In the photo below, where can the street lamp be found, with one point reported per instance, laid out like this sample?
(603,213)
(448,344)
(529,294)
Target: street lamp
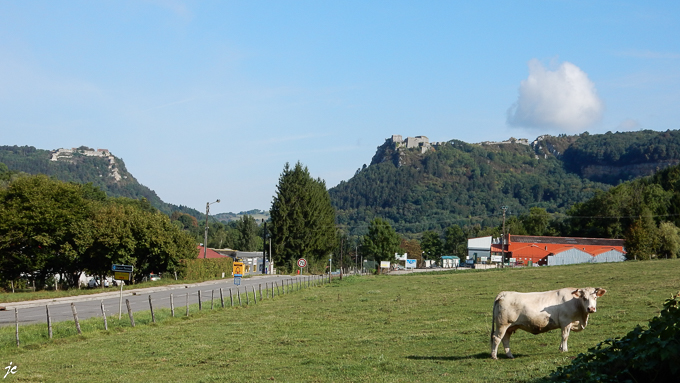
(205,243)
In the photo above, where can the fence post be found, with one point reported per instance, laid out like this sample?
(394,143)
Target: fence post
(106,322)
(221,298)
(200,304)
(187,304)
(75,317)
(247,296)
(132,319)
(255,295)
(260,292)
(212,298)
(153,316)
(172,305)
(49,321)
(231,298)
(16,320)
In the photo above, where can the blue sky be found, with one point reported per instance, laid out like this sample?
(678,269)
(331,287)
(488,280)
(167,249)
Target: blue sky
(209,99)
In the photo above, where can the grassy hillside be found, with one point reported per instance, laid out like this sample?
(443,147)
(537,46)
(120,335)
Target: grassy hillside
(429,327)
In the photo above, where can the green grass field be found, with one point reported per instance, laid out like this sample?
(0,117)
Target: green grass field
(426,327)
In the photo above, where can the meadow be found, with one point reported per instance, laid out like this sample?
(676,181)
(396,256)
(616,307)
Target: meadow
(427,327)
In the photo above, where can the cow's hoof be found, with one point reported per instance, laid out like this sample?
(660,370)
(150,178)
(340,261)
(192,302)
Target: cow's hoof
(510,356)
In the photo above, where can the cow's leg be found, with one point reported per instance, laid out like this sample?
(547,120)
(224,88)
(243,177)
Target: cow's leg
(506,341)
(565,337)
(496,338)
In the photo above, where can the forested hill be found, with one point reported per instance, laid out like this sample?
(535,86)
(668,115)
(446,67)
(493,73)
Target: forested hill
(84,165)
(454,182)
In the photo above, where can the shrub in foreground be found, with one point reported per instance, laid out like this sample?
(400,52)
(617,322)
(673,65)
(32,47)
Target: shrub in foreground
(651,355)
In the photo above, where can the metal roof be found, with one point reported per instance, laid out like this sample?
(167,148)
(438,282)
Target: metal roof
(566,240)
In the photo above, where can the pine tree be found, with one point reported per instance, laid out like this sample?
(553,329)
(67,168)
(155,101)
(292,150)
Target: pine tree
(303,220)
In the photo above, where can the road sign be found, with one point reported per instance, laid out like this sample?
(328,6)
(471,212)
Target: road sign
(237,281)
(122,276)
(238,269)
(302,262)
(123,268)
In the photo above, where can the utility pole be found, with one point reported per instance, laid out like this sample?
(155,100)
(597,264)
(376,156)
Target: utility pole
(264,246)
(503,240)
(205,243)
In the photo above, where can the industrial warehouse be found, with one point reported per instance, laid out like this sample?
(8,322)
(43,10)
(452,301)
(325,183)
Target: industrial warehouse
(526,250)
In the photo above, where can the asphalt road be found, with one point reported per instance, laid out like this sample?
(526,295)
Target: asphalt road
(88,306)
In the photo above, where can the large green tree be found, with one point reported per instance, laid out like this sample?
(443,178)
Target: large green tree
(432,245)
(381,242)
(302,218)
(39,221)
(455,241)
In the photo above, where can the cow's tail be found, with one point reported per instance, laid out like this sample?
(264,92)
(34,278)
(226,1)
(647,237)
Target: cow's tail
(493,320)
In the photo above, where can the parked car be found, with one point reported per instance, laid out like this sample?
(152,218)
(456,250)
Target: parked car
(154,277)
(96,282)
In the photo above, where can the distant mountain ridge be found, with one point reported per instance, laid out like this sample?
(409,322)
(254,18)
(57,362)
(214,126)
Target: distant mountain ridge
(420,186)
(83,165)
(257,214)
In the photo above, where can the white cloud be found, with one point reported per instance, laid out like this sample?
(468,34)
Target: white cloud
(563,99)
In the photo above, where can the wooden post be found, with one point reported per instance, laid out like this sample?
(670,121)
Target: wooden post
(255,294)
(247,296)
(172,305)
(238,292)
(231,298)
(16,320)
(221,297)
(153,315)
(75,317)
(277,288)
(272,290)
(187,304)
(200,304)
(49,321)
(212,299)
(106,322)
(132,319)
(260,292)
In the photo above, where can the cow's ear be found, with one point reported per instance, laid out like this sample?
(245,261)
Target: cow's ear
(577,293)
(600,292)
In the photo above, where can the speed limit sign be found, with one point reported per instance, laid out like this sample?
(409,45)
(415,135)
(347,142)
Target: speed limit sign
(302,262)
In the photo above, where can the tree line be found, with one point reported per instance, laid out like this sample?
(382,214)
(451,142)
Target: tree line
(50,228)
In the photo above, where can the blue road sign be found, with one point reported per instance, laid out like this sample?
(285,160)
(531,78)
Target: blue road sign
(237,281)
(122,268)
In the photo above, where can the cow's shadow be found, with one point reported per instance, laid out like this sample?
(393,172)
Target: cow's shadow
(481,355)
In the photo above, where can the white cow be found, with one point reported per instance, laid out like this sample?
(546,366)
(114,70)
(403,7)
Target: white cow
(540,312)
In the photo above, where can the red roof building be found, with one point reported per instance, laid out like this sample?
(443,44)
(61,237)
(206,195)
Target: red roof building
(526,249)
(210,254)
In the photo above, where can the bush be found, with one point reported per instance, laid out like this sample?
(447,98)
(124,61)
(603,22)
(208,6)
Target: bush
(204,269)
(651,355)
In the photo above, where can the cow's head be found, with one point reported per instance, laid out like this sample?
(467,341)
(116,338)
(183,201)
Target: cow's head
(588,297)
